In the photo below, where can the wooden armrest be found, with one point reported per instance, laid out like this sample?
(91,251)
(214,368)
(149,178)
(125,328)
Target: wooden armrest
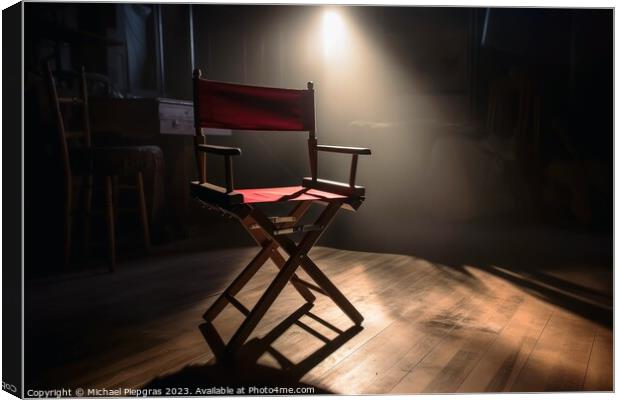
(343,149)
(355,153)
(221,150)
(227,152)
(334,187)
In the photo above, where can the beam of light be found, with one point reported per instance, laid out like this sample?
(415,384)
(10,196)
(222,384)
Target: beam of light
(333,33)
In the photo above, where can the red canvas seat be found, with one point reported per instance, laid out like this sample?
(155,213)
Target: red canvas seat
(243,107)
(281,194)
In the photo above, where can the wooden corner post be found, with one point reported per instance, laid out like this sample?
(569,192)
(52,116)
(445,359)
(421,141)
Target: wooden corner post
(312,142)
(201,158)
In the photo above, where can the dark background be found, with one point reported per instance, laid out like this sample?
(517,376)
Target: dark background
(12,287)
(412,83)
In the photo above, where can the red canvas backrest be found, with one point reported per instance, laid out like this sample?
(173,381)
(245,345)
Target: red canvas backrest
(234,106)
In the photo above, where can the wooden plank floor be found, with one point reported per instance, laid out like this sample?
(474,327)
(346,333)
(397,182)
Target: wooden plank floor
(428,328)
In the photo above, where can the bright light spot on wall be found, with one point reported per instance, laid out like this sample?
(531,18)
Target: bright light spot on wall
(333,33)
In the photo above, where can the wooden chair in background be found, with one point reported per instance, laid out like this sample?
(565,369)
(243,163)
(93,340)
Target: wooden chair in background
(251,108)
(83,162)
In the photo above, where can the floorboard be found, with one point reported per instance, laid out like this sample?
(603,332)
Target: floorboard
(428,328)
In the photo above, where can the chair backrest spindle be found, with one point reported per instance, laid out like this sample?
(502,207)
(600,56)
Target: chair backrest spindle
(64,135)
(312,139)
(201,158)
(85,115)
(62,140)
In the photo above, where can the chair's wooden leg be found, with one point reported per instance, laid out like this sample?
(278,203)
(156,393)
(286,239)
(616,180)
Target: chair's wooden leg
(261,238)
(299,210)
(88,202)
(263,304)
(315,273)
(332,291)
(68,220)
(278,260)
(269,250)
(239,282)
(144,219)
(109,203)
(324,283)
(285,274)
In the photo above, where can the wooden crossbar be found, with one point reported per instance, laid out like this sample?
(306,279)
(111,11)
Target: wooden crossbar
(296,229)
(281,220)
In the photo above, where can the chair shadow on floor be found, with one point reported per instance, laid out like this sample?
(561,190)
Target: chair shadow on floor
(244,371)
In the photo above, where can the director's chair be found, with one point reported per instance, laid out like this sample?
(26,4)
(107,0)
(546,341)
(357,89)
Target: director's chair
(241,107)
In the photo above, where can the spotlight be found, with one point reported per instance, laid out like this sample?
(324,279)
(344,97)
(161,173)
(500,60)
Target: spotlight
(333,33)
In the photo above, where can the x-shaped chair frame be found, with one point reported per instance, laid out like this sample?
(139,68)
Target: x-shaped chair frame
(271,234)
